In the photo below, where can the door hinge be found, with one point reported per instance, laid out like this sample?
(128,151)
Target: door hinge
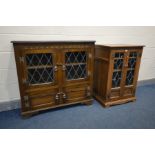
(26,101)
(25,81)
(21,59)
(26,98)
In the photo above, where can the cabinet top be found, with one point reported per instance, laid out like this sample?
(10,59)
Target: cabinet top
(119,45)
(62,41)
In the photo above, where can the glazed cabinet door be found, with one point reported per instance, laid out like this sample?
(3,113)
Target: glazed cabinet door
(124,73)
(39,78)
(76,65)
(132,63)
(117,74)
(76,82)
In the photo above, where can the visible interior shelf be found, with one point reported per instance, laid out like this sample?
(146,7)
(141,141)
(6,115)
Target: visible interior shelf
(41,66)
(115,58)
(116,88)
(131,68)
(82,63)
(117,70)
(133,57)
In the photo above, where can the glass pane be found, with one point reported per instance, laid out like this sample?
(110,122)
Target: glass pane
(75,57)
(119,55)
(40,75)
(75,71)
(76,66)
(129,77)
(131,65)
(133,54)
(39,59)
(39,68)
(116,79)
(118,63)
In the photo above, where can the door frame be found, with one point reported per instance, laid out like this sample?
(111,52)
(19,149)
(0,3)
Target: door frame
(25,73)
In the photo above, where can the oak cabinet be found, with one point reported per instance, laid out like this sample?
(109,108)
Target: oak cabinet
(116,73)
(54,74)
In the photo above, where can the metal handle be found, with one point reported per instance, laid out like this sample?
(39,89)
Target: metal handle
(64,96)
(63,67)
(125,64)
(57,96)
(88,91)
(55,68)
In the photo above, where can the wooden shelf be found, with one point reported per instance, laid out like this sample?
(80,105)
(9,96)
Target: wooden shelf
(39,67)
(82,63)
(117,70)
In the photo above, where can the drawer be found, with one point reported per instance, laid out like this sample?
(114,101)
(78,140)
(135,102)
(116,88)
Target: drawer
(128,91)
(40,99)
(76,93)
(115,93)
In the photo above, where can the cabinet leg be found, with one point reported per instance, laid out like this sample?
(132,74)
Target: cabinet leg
(133,101)
(88,103)
(25,116)
(107,106)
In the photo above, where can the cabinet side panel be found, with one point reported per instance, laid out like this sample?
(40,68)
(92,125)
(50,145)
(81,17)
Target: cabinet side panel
(101,72)
(18,54)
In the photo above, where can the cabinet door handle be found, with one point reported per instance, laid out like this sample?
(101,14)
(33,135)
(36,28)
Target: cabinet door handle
(64,96)
(125,64)
(63,67)
(55,68)
(57,96)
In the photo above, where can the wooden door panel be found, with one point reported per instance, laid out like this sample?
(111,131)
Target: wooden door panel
(115,94)
(44,98)
(77,92)
(128,91)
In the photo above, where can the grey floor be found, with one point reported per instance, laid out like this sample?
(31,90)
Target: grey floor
(136,115)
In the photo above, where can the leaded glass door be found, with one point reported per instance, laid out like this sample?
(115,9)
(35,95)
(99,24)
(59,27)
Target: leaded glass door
(118,60)
(125,65)
(130,71)
(76,65)
(40,68)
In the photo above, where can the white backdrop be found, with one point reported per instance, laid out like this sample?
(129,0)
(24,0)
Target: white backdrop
(102,35)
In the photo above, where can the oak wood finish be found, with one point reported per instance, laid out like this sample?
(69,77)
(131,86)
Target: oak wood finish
(106,56)
(57,92)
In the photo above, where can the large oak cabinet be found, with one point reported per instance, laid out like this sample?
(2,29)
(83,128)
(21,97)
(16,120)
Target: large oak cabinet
(116,73)
(54,74)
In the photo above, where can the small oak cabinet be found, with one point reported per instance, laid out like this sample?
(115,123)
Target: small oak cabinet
(116,73)
(54,74)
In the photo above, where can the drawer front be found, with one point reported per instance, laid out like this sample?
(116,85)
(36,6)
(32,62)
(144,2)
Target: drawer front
(40,99)
(115,94)
(128,91)
(77,93)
